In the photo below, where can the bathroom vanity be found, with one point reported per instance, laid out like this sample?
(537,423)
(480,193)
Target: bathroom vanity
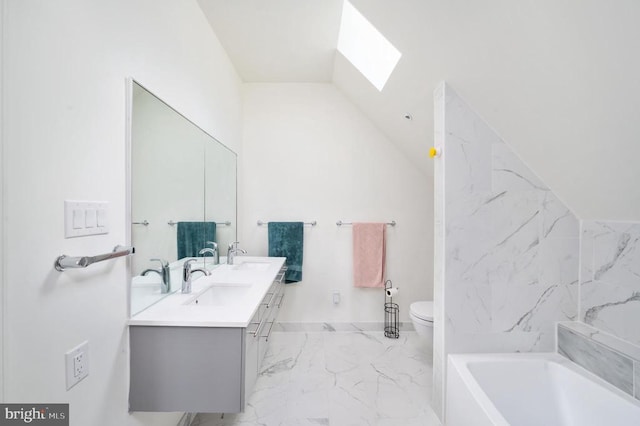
(201,352)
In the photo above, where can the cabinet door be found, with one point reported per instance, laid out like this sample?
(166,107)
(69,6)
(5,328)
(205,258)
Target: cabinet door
(251,365)
(189,369)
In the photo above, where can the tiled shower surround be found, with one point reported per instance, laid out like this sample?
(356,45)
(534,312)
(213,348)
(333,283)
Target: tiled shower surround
(610,278)
(606,341)
(510,246)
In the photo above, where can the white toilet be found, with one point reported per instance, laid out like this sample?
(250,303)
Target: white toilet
(421,314)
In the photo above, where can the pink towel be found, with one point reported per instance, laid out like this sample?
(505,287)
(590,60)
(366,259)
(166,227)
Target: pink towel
(368,254)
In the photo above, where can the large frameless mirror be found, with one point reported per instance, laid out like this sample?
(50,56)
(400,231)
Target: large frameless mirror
(182,197)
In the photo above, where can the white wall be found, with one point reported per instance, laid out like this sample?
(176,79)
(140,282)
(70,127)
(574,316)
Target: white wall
(2,241)
(309,154)
(555,77)
(66,65)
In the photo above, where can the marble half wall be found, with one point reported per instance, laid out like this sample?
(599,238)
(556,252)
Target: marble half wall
(510,246)
(610,278)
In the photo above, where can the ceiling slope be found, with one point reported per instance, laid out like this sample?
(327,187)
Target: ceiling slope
(277,40)
(556,79)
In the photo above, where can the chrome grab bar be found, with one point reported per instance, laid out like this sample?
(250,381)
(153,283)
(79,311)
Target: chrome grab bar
(63,262)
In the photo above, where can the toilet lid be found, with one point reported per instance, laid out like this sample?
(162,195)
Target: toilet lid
(422,310)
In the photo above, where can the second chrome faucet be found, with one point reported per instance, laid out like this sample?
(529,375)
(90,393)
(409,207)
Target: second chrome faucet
(233,251)
(213,251)
(187,272)
(164,274)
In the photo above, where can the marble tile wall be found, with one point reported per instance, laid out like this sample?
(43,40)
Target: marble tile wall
(510,246)
(610,277)
(614,360)
(606,341)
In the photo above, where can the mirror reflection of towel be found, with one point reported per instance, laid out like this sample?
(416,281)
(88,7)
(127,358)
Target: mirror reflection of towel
(286,240)
(193,236)
(368,254)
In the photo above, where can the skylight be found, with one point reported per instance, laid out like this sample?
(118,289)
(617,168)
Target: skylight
(365,47)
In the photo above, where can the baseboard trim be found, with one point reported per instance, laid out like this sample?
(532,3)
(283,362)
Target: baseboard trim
(336,326)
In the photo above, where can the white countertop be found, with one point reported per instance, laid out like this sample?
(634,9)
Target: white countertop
(176,310)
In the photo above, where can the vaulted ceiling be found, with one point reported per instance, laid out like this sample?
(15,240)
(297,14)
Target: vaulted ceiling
(295,41)
(556,79)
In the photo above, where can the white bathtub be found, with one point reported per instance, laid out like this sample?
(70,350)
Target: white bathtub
(532,390)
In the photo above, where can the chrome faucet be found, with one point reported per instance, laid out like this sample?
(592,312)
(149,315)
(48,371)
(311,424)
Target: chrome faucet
(186,275)
(164,273)
(213,251)
(233,250)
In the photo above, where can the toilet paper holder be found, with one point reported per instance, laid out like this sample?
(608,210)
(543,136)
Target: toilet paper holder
(391,311)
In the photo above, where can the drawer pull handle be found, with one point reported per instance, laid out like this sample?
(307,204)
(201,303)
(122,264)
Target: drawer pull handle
(275,293)
(269,332)
(260,326)
(253,323)
(280,302)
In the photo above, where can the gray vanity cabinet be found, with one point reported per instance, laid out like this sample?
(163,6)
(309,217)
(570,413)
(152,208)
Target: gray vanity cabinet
(200,369)
(190,369)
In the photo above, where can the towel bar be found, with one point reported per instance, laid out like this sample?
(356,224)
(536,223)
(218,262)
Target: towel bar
(227,223)
(63,262)
(314,223)
(340,223)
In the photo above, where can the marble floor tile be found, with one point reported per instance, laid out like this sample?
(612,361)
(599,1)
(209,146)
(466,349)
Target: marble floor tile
(336,378)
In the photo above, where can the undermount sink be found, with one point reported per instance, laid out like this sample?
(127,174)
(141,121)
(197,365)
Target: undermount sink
(220,295)
(252,266)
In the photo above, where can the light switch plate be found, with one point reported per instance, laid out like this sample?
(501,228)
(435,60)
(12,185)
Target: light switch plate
(102,218)
(82,218)
(90,218)
(78,218)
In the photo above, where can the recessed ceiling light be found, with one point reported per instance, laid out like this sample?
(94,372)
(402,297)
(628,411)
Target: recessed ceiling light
(365,47)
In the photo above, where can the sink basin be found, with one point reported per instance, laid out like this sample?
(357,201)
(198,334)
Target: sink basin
(252,266)
(221,295)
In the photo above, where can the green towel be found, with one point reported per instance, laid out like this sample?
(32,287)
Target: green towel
(286,240)
(193,236)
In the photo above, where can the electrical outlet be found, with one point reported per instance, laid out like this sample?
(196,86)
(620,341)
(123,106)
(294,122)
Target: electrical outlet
(77,364)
